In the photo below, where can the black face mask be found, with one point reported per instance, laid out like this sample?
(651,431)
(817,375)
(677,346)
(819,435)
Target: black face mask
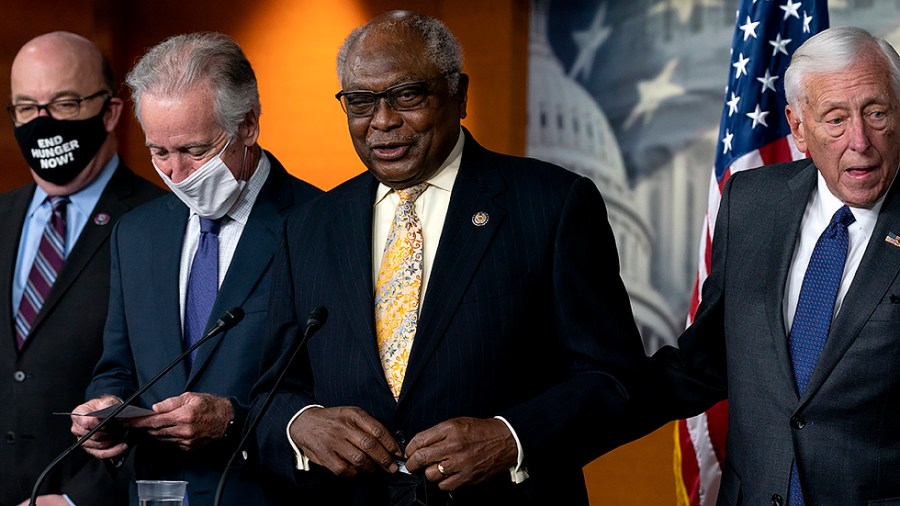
(58,150)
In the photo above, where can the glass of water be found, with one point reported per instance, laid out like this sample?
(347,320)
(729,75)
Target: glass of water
(161,492)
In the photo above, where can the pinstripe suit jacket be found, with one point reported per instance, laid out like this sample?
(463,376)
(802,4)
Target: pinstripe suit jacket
(525,317)
(844,431)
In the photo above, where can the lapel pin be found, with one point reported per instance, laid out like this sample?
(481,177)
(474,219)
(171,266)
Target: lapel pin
(892,239)
(101,219)
(481,218)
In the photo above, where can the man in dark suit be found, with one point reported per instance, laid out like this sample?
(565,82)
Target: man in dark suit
(799,318)
(509,378)
(62,99)
(181,261)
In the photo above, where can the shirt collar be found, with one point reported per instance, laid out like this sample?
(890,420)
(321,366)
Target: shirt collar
(84,199)
(445,176)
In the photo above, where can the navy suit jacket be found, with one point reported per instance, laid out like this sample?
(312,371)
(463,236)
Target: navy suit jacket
(51,372)
(524,317)
(844,431)
(143,331)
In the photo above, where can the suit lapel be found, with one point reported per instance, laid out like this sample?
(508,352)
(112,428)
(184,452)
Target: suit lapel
(877,270)
(353,238)
(162,277)
(251,257)
(89,244)
(459,252)
(11,219)
(788,216)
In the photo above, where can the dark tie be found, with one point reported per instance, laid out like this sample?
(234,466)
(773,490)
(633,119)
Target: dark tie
(815,307)
(203,284)
(48,261)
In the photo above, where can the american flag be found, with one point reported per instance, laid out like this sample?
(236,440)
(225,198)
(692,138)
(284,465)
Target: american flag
(753,132)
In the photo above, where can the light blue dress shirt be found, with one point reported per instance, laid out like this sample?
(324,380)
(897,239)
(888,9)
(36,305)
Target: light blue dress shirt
(78,212)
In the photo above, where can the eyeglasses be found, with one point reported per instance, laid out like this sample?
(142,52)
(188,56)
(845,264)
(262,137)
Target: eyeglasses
(62,108)
(401,97)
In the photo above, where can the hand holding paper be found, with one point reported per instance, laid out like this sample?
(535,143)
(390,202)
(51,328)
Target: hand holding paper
(106,443)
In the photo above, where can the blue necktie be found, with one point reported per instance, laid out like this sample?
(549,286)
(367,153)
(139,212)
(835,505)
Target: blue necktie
(203,284)
(815,307)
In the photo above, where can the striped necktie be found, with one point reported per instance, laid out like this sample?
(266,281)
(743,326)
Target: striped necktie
(398,288)
(48,262)
(815,307)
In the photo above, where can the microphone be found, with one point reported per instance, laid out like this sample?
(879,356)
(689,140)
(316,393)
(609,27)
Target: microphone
(315,321)
(225,322)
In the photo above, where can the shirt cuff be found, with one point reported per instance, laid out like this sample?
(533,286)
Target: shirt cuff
(519,473)
(302,461)
(68,500)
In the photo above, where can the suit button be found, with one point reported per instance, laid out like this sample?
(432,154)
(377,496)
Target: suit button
(19,376)
(400,438)
(798,422)
(776,500)
(10,437)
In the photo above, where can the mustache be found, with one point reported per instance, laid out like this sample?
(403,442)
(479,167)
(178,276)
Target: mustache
(390,140)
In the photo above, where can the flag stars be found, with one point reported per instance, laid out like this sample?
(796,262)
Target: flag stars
(740,66)
(768,82)
(759,117)
(790,9)
(779,44)
(726,142)
(807,19)
(733,104)
(749,28)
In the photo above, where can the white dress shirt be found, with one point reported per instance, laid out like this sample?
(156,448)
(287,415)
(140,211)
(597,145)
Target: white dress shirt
(819,211)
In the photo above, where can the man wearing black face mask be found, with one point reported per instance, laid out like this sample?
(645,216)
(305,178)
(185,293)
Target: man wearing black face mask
(54,279)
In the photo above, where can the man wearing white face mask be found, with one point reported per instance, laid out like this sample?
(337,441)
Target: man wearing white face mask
(179,262)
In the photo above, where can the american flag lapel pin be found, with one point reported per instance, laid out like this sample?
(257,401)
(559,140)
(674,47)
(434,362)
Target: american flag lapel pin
(892,239)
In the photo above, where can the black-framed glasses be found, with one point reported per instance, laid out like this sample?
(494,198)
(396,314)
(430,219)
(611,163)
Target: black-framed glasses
(400,97)
(61,108)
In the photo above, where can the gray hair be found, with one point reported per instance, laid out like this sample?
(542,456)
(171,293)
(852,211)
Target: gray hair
(831,51)
(441,46)
(181,62)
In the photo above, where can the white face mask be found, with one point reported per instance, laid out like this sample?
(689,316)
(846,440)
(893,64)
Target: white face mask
(211,190)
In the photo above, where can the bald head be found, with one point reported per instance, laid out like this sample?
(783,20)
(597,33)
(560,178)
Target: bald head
(59,57)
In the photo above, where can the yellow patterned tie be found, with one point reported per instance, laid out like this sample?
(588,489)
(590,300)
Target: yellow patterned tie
(398,288)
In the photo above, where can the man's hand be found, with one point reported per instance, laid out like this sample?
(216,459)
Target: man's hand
(47,500)
(345,440)
(108,442)
(191,420)
(468,450)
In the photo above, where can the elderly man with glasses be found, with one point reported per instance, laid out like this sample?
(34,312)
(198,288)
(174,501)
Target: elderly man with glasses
(55,255)
(481,344)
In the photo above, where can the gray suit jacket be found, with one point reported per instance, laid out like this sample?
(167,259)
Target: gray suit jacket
(844,432)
